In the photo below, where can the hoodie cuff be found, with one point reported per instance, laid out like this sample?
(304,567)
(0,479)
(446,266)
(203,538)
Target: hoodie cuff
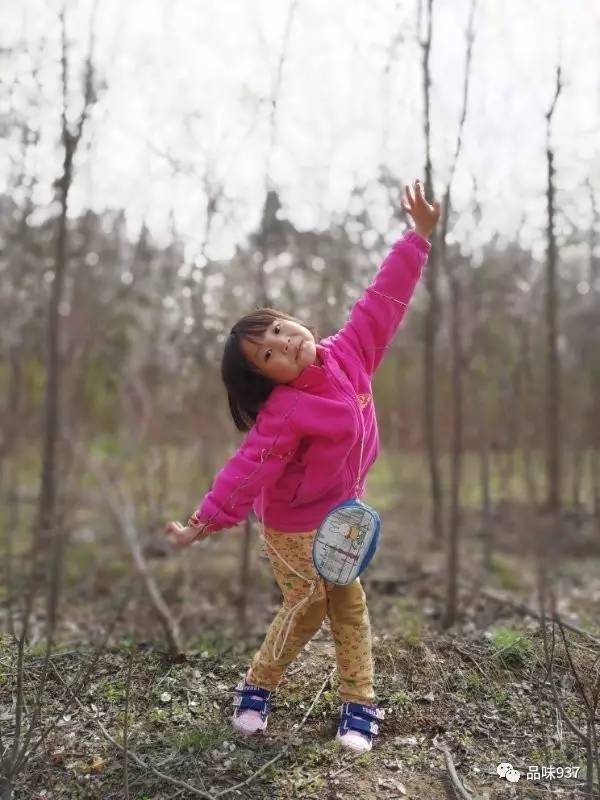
(195,522)
(420,242)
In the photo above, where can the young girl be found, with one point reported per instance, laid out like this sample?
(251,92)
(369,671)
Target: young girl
(312,436)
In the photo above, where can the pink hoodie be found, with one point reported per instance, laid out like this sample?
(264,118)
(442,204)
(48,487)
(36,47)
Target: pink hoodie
(304,448)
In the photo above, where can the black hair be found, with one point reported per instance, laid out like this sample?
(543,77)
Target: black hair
(247,388)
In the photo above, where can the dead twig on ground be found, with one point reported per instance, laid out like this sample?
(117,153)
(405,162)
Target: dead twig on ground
(287,746)
(471,658)
(525,609)
(462,792)
(133,757)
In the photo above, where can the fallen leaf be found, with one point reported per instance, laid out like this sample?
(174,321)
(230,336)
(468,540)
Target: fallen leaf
(97,763)
(429,697)
(392,764)
(408,740)
(388,783)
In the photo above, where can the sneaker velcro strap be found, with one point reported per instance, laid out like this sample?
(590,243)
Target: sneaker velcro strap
(365,711)
(250,703)
(357,717)
(358,724)
(248,690)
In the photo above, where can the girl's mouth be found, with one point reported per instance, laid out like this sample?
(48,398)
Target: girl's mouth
(301,345)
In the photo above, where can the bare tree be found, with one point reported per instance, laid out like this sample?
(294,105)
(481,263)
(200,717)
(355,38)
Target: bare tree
(527,388)
(432,317)
(270,206)
(52,423)
(593,361)
(267,223)
(589,695)
(47,543)
(553,430)
(456,337)
(22,260)
(245,574)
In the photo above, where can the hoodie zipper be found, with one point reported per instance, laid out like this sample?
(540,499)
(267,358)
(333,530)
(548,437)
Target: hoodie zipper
(356,480)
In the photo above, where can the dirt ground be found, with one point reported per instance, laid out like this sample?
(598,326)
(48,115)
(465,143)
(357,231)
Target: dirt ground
(487,702)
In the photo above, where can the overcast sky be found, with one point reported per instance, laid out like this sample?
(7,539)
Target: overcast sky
(192,79)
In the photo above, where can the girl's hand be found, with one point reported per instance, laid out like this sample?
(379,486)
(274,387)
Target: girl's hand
(183,535)
(424,215)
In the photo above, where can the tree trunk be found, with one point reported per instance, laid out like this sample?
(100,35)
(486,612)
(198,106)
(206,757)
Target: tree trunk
(52,421)
(486,502)
(11,487)
(6,790)
(456,348)
(553,430)
(505,470)
(595,482)
(245,564)
(576,478)
(12,524)
(432,313)
(457,445)
(527,437)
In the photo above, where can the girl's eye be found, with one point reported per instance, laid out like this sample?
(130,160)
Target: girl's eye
(276,329)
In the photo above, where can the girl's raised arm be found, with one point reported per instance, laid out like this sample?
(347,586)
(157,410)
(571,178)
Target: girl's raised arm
(375,317)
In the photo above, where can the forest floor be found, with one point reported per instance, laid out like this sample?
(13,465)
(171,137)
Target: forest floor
(480,687)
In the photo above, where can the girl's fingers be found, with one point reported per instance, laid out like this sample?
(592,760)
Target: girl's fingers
(420,196)
(179,540)
(173,527)
(405,206)
(409,198)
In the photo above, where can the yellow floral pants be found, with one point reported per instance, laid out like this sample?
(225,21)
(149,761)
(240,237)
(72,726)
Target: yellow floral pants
(305,604)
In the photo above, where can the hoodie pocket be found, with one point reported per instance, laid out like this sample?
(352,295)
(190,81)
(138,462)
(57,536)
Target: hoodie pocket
(286,488)
(313,488)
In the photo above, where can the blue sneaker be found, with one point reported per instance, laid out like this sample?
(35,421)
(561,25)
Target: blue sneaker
(251,708)
(358,726)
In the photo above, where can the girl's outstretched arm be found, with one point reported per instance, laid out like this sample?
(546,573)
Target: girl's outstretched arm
(259,462)
(375,317)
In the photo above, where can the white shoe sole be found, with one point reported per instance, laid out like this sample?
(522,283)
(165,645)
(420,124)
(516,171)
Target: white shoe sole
(345,743)
(236,724)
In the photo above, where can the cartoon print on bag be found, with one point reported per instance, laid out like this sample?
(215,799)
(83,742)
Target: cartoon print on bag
(356,535)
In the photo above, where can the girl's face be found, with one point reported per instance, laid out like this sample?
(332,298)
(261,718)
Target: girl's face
(285,350)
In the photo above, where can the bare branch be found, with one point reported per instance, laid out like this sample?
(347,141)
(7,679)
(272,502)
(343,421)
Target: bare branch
(122,510)
(276,87)
(183,784)
(557,90)
(456,782)
(470,38)
(549,656)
